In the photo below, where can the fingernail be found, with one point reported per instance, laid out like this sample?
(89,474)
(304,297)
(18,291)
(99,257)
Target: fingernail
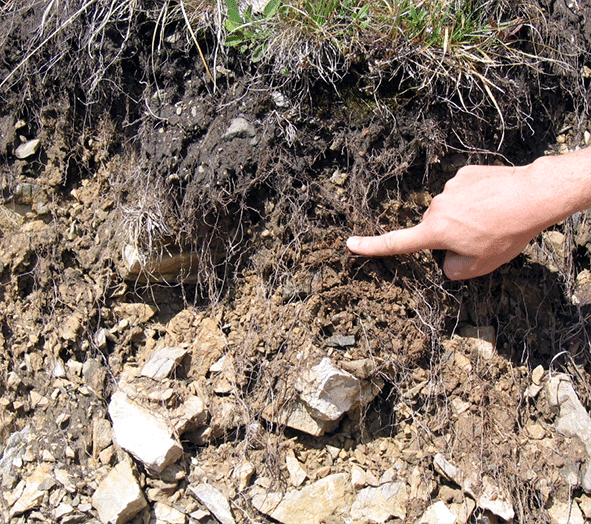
(353,242)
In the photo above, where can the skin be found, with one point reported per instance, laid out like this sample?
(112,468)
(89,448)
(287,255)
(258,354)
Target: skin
(486,215)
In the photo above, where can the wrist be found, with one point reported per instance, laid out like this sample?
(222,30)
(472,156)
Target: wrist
(562,184)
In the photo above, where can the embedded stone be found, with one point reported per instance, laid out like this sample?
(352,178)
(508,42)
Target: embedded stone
(162,363)
(119,498)
(27,149)
(147,437)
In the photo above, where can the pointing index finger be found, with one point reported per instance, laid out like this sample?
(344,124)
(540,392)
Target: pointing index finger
(392,243)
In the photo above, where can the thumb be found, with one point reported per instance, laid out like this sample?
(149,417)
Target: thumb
(392,243)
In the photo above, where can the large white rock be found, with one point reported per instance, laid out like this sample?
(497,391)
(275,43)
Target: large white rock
(119,498)
(381,503)
(311,505)
(147,437)
(329,392)
(572,420)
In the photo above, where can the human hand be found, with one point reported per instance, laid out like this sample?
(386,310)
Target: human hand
(485,216)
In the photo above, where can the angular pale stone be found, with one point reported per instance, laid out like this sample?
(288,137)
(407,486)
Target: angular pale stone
(62,510)
(162,362)
(133,310)
(381,503)
(301,419)
(166,514)
(486,493)
(438,513)
(419,486)
(481,339)
(535,431)
(537,375)
(311,505)
(243,473)
(215,502)
(29,148)
(463,511)
(459,406)
(224,379)
(584,502)
(147,437)
(463,362)
(101,436)
(297,474)
(119,498)
(358,477)
(240,128)
(190,415)
(330,392)
(565,513)
(572,420)
(33,492)
(447,469)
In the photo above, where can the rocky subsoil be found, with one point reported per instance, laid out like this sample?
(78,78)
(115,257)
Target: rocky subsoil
(185,338)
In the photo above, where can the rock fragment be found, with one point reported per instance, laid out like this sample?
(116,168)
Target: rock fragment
(34,489)
(101,435)
(381,503)
(340,341)
(190,415)
(243,474)
(326,393)
(330,392)
(582,290)
(214,501)
(358,477)
(301,419)
(584,502)
(438,513)
(313,504)
(146,436)
(27,149)
(537,375)
(565,513)
(297,474)
(279,99)
(481,339)
(572,420)
(166,514)
(463,510)
(161,363)
(119,498)
(487,494)
(240,128)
